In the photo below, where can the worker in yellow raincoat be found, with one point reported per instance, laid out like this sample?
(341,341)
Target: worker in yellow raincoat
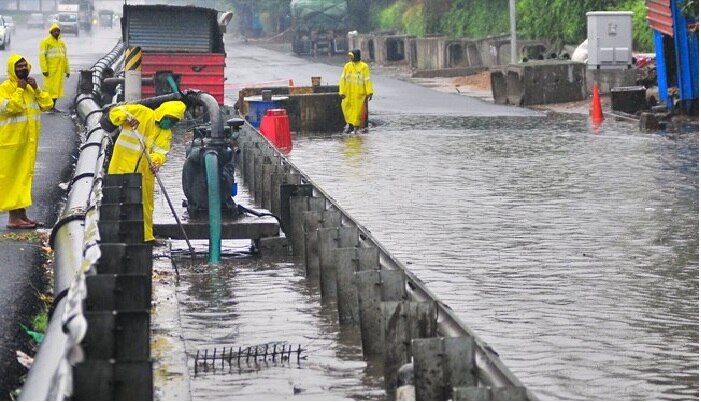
(53,60)
(139,122)
(21,103)
(355,89)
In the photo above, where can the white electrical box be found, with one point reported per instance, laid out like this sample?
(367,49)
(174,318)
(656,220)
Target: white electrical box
(610,39)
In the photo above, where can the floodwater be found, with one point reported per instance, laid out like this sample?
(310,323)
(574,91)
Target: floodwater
(572,251)
(246,302)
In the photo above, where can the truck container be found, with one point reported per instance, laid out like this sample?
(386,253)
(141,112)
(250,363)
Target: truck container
(319,26)
(184,40)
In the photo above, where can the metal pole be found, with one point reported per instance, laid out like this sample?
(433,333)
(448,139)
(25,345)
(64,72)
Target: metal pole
(163,189)
(512,12)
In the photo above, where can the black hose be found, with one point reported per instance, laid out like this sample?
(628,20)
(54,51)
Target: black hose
(245,210)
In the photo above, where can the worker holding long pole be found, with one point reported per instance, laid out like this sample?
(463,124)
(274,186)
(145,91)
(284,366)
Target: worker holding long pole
(142,147)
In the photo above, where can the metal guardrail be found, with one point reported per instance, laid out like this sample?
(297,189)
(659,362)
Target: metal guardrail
(491,370)
(74,239)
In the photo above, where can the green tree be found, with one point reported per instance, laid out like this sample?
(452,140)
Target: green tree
(476,18)
(359,15)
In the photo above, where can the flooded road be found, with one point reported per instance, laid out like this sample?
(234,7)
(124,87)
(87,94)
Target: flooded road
(573,253)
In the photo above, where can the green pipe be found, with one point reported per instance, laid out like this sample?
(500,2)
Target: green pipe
(210,163)
(173,84)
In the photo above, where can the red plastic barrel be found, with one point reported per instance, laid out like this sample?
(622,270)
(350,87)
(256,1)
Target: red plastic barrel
(275,126)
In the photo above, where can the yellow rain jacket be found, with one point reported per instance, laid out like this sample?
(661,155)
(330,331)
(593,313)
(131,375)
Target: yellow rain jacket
(53,59)
(20,124)
(356,86)
(127,155)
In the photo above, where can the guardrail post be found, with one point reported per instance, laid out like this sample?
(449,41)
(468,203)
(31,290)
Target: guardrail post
(250,151)
(117,363)
(440,364)
(314,220)
(277,181)
(403,321)
(373,288)
(287,191)
(348,261)
(330,239)
(298,206)
(268,171)
(258,164)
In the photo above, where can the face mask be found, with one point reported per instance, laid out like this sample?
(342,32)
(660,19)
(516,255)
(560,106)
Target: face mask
(166,123)
(22,74)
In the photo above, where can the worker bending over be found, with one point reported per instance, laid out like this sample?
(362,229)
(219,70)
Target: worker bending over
(141,124)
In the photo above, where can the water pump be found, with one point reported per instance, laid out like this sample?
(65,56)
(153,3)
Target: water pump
(195,180)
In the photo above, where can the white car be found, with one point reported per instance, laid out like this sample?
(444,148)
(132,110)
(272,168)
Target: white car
(5,34)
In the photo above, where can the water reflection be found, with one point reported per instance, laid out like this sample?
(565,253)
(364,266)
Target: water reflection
(252,301)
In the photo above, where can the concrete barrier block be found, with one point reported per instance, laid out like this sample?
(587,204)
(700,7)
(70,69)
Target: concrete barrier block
(628,99)
(544,82)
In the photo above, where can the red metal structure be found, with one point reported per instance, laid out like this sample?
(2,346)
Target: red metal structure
(184,40)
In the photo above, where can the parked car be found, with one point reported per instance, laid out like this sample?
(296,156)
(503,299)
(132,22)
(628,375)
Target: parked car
(5,35)
(68,22)
(10,23)
(35,20)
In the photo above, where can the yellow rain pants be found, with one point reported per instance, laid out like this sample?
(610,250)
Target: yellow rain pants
(53,59)
(127,155)
(20,125)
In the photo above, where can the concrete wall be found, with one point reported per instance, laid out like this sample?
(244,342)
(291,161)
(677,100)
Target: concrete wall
(607,79)
(364,42)
(539,82)
(393,50)
(441,52)
(429,53)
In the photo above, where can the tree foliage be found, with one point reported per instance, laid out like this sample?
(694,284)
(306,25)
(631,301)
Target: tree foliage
(561,21)
(476,18)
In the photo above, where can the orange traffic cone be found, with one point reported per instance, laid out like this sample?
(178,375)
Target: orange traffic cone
(597,116)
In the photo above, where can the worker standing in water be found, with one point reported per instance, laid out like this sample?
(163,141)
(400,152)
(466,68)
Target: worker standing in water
(152,127)
(355,89)
(53,60)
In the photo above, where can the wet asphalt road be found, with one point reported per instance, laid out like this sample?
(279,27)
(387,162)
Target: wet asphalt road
(20,262)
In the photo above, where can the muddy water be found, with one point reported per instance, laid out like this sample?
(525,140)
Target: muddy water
(573,252)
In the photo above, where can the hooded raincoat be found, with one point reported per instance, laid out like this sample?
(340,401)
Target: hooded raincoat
(20,124)
(354,88)
(53,59)
(127,155)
